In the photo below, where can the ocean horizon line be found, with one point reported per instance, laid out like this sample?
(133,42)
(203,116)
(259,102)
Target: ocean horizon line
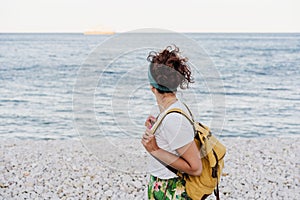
(183,32)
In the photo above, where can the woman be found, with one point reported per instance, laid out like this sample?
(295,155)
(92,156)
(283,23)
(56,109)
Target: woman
(173,143)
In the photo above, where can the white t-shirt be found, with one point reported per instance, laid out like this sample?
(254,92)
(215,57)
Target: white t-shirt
(174,132)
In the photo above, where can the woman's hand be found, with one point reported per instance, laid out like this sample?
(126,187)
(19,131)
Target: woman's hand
(149,141)
(150,121)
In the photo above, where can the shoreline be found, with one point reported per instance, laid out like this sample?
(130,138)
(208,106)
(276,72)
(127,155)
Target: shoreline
(255,168)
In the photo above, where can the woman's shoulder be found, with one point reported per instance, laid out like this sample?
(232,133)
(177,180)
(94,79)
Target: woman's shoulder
(181,106)
(175,123)
(175,117)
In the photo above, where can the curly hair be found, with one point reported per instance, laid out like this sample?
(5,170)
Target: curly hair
(169,69)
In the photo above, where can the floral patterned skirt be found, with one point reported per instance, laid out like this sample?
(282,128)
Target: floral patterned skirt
(167,189)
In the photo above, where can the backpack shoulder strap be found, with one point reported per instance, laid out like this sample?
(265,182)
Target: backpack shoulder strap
(173,110)
(191,114)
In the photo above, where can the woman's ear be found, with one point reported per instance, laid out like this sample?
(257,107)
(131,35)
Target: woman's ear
(153,89)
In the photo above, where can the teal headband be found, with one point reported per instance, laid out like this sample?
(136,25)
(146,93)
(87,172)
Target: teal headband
(156,85)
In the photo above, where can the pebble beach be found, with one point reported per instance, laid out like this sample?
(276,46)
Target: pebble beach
(255,168)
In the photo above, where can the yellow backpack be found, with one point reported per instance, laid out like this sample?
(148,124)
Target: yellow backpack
(212,154)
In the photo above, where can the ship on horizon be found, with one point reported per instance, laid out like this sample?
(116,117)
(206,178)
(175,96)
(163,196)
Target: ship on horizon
(100,30)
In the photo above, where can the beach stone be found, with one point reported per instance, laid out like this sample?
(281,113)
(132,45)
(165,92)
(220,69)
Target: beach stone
(116,197)
(108,193)
(126,178)
(137,184)
(105,187)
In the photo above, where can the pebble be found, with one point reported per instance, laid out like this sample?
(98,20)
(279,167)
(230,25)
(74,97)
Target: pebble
(108,193)
(60,169)
(137,184)
(105,187)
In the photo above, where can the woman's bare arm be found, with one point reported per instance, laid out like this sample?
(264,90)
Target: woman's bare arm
(188,162)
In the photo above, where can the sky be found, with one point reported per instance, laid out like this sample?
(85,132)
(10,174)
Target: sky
(127,15)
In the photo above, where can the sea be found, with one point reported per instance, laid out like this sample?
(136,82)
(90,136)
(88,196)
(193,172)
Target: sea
(259,74)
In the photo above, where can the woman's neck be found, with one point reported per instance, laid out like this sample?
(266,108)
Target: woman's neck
(165,100)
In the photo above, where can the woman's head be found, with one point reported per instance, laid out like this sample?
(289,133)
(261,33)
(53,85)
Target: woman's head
(168,70)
